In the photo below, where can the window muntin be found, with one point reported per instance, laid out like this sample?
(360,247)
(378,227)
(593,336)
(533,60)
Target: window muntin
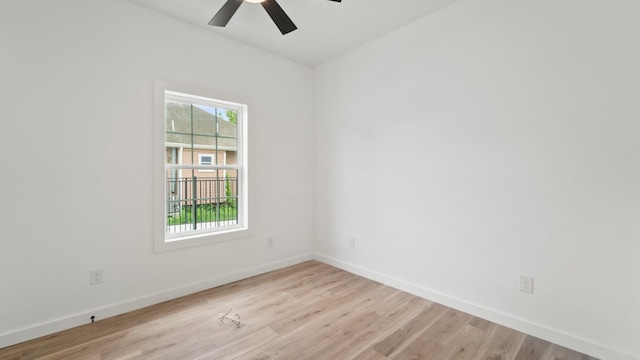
(205,185)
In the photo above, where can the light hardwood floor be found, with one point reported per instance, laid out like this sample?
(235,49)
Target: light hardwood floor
(307,311)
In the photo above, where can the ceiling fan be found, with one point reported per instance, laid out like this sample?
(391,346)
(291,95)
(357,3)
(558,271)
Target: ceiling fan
(283,22)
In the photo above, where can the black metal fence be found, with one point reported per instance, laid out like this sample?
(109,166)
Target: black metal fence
(201,203)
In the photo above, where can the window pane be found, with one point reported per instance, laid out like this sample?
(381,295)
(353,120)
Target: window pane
(231,187)
(204,120)
(178,120)
(227,137)
(178,131)
(231,158)
(200,202)
(204,144)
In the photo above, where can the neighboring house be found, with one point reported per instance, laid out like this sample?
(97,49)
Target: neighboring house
(197,137)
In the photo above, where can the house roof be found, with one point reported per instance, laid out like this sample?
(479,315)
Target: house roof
(179,119)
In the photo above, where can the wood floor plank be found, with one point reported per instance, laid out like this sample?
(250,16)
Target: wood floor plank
(307,311)
(447,326)
(557,352)
(466,344)
(438,339)
(480,323)
(320,334)
(241,346)
(502,344)
(411,329)
(311,311)
(370,354)
(532,349)
(395,311)
(418,350)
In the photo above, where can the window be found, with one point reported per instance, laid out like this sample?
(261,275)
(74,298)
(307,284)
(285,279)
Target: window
(201,161)
(205,159)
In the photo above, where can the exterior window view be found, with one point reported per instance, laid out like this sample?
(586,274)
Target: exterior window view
(202,167)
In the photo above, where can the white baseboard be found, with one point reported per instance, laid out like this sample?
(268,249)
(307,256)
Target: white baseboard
(558,337)
(68,322)
(571,341)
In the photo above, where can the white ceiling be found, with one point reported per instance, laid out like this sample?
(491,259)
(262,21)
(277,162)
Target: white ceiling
(325,28)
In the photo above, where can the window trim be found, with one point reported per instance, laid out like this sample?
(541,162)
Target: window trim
(196,96)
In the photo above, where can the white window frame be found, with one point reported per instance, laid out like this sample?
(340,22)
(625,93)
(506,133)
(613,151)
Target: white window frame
(162,241)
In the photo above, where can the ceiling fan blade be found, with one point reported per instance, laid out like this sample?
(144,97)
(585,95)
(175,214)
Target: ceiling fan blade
(222,17)
(283,22)
(336,0)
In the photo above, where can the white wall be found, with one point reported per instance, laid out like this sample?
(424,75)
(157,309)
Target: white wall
(76,95)
(492,139)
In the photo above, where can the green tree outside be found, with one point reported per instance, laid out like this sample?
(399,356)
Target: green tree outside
(232,116)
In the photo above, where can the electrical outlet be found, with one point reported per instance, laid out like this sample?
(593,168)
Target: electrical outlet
(95,277)
(352,243)
(526,284)
(270,242)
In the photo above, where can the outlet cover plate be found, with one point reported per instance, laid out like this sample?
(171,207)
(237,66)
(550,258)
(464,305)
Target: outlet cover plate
(95,277)
(526,284)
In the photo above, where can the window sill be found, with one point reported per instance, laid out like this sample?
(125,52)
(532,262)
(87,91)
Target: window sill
(163,244)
